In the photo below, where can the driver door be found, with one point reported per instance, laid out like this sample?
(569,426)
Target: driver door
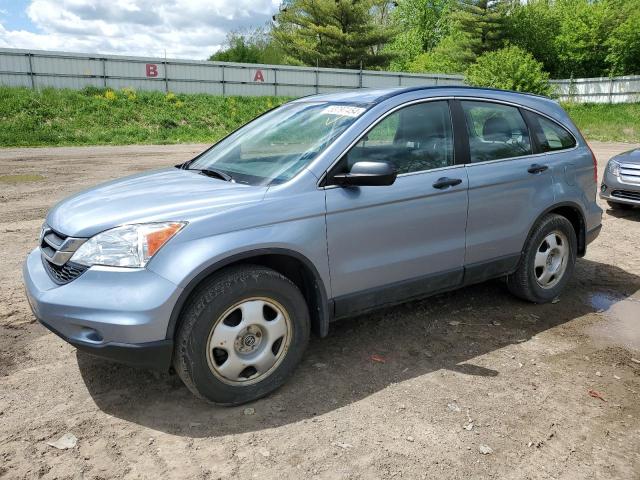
(390,243)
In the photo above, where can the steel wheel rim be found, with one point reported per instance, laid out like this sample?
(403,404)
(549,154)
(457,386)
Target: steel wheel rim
(551,259)
(249,341)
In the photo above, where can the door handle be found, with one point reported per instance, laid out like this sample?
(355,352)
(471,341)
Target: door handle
(536,168)
(446,182)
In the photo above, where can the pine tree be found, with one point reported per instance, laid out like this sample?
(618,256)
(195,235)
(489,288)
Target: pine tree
(481,25)
(334,33)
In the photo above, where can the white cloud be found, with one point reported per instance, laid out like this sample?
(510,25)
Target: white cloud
(185,28)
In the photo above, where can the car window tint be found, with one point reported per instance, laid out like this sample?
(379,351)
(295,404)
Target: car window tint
(495,131)
(412,139)
(552,136)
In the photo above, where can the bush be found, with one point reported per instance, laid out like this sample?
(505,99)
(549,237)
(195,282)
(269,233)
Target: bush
(446,57)
(509,68)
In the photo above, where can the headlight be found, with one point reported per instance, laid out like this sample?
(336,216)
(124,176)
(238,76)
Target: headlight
(126,246)
(614,168)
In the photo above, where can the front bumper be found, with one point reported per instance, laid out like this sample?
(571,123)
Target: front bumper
(615,189)
(118,314)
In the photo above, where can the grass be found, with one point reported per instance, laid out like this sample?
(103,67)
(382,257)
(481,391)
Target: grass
(106,117)
(619,122)
(24,178)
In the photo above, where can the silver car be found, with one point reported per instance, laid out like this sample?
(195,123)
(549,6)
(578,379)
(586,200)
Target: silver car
(621,181)
(328,206)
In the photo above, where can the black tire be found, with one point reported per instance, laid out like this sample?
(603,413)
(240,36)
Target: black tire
(209,303)
(523,283)
(619,206)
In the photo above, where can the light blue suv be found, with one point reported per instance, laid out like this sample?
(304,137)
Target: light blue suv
(325,207)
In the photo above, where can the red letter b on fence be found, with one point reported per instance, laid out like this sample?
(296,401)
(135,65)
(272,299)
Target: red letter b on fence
(152,70)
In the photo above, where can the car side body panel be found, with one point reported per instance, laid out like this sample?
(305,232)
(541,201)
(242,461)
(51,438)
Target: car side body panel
(504,201)
(423,235)
(295,222)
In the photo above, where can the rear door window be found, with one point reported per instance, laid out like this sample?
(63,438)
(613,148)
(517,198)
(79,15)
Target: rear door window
(549,134)
(496,131)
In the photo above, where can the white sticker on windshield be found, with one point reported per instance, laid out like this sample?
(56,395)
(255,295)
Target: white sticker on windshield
(343,110)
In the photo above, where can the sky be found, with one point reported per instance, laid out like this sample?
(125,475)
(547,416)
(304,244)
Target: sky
(191,29)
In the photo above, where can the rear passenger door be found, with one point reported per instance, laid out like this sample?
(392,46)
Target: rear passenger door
(509,186)
(572,170)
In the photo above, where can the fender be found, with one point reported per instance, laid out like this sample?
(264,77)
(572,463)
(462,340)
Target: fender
(578,222)
(324,310)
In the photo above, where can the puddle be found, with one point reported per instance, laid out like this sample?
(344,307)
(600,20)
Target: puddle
(621,320)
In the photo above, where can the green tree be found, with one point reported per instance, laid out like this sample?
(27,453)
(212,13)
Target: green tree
(334,33)
(533,26)
(509,68)
(623,43)
(255,46)
(238,49)
(480,24)
(420,26)
(581,41)
(449,56)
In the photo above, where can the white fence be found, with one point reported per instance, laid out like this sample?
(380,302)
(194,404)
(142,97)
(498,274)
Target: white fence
(41,69)
(599,90)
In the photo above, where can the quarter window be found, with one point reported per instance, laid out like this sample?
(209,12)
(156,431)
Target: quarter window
(415,138)
(495,131)
(549,134)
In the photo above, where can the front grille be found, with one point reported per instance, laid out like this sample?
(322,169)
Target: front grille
(57,249)
(64,274)
(626,194)
(630,172)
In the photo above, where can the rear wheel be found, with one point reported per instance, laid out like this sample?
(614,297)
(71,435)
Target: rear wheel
(547,262)
(619,206)
(242,335)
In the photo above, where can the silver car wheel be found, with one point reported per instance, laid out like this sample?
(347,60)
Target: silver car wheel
(551,259)
(248,341)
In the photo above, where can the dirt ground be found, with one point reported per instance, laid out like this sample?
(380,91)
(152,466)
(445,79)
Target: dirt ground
(463,371)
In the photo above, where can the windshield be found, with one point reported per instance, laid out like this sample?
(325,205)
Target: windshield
(276,146)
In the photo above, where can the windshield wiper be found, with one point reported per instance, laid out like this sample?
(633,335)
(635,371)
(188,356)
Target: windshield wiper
(215,173)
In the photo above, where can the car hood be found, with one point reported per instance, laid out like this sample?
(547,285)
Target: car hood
(632,156)
(165,195)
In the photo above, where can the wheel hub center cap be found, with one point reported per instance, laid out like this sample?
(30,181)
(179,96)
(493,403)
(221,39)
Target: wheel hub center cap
(249,339)
(550,260)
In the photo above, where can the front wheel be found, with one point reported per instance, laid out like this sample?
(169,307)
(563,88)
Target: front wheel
(547,262)
(242,334)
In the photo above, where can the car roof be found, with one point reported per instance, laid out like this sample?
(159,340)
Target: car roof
(372,96)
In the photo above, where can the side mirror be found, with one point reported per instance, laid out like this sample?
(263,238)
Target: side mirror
(365,174)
